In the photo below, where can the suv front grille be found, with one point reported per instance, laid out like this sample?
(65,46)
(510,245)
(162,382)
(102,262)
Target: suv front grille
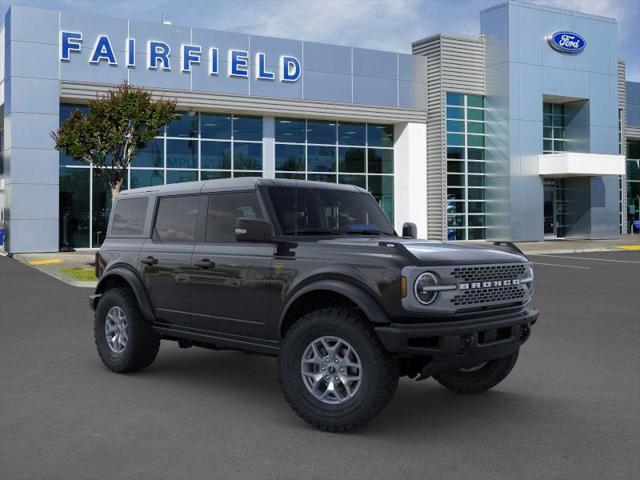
(511,293)
(482,273)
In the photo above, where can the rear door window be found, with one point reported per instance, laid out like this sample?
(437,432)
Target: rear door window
(176,219)
(129,216)
(224,210)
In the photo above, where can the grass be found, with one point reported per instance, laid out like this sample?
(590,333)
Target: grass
(81,274)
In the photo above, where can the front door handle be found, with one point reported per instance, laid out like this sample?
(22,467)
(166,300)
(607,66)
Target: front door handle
(205,264)
(149,261)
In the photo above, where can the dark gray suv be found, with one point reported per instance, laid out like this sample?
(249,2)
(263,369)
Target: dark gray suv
(314,274)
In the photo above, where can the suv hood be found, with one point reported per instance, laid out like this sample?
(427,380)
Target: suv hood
(430,252)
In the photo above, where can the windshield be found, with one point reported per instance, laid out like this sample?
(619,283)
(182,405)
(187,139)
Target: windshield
(324,211)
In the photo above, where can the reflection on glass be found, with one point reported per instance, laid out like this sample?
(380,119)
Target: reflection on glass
(292,176)
(321,178)
(321,159)
(380,161)
(74,207)
(179,176)
(357,180)
(247,156)
(351,133)
(290,157)
(215,155)
(320,131)
(351,159)
(182,154)
(215,126)
(205,175)
(146,178)
(184,124)
(101,207)
(379,135)
(381,187)
(290,130)
(151,155)
(247,127)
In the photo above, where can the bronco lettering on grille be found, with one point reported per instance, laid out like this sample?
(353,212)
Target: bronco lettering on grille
(494,283)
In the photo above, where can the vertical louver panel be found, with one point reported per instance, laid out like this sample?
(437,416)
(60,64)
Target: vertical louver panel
(454,64)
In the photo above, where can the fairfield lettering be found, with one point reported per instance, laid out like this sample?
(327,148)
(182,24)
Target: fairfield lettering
(159,56)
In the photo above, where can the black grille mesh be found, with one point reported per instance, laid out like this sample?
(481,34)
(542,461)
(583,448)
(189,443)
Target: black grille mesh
(511,293)
(484,273)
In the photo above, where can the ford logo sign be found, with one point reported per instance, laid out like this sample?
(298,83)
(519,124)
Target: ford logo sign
(567,42)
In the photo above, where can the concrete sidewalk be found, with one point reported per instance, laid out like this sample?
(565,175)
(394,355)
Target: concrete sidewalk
(626,242)
(58,264)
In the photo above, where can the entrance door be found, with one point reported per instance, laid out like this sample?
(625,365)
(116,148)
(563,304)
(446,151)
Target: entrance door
(555,208)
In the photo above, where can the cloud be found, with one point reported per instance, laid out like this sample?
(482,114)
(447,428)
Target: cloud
(378,24)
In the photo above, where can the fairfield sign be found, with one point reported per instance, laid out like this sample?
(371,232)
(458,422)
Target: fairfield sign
(159,56)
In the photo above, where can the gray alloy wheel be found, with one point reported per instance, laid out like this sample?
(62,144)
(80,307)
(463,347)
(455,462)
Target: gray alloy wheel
(115,329)
(331,370)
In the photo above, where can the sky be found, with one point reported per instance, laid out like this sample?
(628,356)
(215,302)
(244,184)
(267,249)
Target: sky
(378,24)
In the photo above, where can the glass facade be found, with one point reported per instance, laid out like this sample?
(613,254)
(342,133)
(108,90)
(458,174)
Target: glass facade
(194,146)
(633,182)
(466,173)
(345,152)
(205,146)
(552,128)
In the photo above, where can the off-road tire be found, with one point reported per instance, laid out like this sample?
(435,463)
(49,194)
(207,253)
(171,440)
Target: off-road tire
(481,380)
(142,344)
(380,374)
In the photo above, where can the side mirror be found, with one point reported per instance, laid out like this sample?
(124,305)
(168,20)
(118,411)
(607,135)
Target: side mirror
(409,230)
(253,230)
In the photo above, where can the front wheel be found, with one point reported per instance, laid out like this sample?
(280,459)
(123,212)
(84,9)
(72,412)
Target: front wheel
(478,378)
(333,370)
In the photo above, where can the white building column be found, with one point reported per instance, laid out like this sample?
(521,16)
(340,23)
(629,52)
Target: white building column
(268,147)
(410,179)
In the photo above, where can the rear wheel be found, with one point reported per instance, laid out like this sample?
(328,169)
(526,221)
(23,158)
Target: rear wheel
(125,341)
(478,378)
(333,370)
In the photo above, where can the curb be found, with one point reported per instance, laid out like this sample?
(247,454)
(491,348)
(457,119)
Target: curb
(57,276)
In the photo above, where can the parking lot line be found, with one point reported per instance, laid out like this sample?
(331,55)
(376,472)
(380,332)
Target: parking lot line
(47,261)
(628,247)
(590,258)
(560,265)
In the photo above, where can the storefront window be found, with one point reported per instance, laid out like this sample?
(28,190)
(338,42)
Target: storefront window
(193,146)
(74,207)
(552,128)
(466,179)
(633,183)
(350,153)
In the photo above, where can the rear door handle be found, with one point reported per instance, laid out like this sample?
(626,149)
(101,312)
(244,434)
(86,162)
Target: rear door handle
(149,261)
(205,264)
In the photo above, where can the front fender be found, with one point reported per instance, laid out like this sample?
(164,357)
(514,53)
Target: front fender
(133,280)
(364,300)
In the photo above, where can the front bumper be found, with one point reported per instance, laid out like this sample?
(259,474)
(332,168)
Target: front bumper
(459,344)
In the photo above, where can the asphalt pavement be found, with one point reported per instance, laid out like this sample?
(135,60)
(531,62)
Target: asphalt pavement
(569,410)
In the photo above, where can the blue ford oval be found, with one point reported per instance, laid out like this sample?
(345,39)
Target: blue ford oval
(567,42)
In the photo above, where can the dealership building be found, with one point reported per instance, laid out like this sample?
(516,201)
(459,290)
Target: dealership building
(527,132)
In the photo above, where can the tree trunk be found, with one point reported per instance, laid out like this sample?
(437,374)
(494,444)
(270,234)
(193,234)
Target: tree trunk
(115,189)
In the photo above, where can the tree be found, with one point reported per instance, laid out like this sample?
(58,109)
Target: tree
(117,126)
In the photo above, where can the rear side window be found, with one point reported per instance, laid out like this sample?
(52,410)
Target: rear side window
(129,215)
(176,219)
(224,210)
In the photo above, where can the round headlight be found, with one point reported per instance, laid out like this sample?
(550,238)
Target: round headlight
(424,288)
